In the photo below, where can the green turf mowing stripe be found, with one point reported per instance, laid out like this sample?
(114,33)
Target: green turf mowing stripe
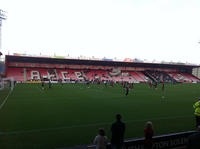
(89,125)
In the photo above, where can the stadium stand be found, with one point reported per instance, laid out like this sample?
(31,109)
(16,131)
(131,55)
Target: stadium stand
(34,74)
(145,78)
(183,77)
(190,77)
(159,76)
(16,73)
(96,74)
(138,76)
(35,69)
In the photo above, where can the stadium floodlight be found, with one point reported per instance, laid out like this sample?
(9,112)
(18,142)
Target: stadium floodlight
(2,17)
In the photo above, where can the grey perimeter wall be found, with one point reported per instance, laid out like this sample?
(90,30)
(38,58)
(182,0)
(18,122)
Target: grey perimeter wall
(196,72)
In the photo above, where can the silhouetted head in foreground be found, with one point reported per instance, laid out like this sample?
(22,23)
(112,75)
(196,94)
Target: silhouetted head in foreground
(149,125)
(101,132)
(118,117)
(198,128)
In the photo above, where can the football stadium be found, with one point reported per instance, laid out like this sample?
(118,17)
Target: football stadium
(56,103)
(90,74)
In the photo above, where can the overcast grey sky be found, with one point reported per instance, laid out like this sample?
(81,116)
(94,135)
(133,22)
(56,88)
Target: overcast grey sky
(146,29)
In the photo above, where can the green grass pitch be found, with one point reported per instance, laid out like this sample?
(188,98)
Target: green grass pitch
(71,114)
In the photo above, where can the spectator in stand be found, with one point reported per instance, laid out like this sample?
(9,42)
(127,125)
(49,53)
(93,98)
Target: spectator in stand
(194,140)
(118,131)
(148,134)
(101,140)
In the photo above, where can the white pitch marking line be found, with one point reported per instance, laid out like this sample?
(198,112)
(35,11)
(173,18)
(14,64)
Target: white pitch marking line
(3,103)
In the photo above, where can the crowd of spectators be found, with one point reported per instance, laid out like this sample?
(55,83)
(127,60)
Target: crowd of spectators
(118,131)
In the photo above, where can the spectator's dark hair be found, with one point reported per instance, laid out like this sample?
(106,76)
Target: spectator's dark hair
(198,128)
(118,117)
(102,132)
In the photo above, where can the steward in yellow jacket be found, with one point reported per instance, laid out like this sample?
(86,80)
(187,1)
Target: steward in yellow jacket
(196,106)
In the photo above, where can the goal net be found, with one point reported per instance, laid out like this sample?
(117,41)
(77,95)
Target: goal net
(6,83)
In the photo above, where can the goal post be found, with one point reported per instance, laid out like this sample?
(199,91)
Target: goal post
(6,83)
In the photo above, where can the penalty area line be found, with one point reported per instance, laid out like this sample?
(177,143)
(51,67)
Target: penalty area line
(4,102)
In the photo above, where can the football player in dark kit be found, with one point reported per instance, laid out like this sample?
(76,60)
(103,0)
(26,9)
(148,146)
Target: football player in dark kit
(112,83)
(87,83)
(150,84)
(127,90)
(155,84)
(132,85)
(98,82)
(43,84)
(106,83)
(60,82)
(124,84)
(163,87)
(50,84)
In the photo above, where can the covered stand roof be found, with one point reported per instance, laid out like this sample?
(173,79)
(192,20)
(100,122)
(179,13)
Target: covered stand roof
(26,59)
